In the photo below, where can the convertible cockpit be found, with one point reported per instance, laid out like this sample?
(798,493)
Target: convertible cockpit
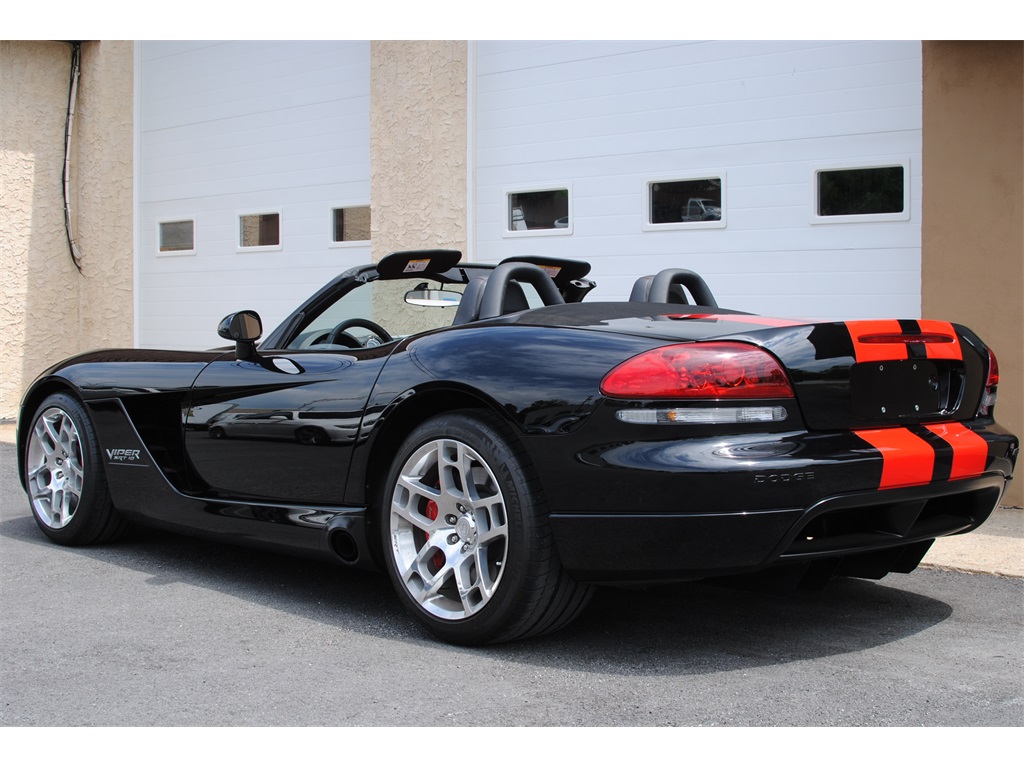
(411,292)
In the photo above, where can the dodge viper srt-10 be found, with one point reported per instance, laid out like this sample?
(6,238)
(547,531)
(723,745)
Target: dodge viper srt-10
(498,445)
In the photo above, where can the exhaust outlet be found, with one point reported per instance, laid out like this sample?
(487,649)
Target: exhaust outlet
(343,544)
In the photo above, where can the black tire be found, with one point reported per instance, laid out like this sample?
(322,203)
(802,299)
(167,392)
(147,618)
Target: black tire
(513,584)
(65,477)
(217,432)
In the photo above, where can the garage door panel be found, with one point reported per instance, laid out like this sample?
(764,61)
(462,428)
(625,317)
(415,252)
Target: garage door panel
(246,127)
(605,120)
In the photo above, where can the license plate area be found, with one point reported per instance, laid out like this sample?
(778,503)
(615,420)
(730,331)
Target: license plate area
(900,390)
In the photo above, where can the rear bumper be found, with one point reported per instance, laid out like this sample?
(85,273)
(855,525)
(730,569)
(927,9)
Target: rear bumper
(861,534)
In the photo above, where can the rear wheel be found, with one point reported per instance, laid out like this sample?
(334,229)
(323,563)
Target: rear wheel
(64,475)
(466,536)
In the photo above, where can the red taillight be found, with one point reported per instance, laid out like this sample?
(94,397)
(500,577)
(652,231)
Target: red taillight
(993,371)
(712,370)
(988,399)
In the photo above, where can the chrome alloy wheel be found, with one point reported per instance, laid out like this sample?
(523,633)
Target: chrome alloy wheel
(55,468)
(449,529)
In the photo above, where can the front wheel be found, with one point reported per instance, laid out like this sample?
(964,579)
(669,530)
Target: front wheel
(466,536)
(64,475)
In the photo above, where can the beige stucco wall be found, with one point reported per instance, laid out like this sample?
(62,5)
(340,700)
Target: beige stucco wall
(973,219)
(418,145)
(418,119)
(47,309)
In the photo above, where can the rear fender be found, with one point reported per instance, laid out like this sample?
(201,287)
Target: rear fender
(486,366)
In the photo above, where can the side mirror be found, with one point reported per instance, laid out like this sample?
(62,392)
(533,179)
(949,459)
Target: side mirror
(243,328)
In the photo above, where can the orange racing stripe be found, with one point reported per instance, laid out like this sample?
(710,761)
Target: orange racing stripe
(869,353)
(970,451)
(906,458)
(940,351)
(868,350)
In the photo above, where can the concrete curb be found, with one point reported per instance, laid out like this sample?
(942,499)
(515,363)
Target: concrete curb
(996,548)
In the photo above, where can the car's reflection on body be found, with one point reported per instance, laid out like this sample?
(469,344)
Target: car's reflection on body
(306,427)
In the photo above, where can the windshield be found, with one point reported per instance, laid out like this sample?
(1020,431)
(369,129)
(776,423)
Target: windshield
(382,303)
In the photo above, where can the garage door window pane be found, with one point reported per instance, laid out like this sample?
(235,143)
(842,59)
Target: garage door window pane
(260,229)
(546,209)
(177,236)
(351,224)
(861,191)
(692,200)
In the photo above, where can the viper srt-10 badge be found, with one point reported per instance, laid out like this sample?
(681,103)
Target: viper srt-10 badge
(123,455)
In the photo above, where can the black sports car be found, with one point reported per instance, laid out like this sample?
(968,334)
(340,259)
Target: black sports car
(498,445)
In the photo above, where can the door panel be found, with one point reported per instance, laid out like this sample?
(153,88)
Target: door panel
(281,428)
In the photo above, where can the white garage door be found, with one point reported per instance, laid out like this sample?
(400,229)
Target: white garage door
(620,153)
(253,180)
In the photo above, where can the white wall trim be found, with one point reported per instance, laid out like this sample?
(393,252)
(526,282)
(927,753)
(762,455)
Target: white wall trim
(136,186)
(471,207)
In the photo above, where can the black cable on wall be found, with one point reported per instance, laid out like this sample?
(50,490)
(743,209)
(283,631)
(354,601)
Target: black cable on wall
(76,57)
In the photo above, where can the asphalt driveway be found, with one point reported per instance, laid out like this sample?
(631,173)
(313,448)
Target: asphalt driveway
(165,630)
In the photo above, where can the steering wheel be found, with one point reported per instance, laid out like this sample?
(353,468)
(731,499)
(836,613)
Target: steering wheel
(338,335)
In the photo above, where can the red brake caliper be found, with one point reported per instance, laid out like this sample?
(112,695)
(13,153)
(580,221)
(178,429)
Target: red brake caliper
(431,512)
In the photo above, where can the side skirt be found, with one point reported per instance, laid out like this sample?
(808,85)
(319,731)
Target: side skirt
(144,495)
